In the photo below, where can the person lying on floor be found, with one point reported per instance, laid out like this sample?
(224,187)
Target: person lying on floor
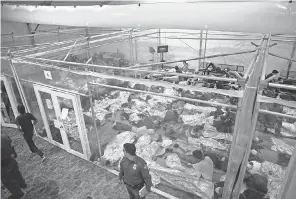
(219,162)
(202,164)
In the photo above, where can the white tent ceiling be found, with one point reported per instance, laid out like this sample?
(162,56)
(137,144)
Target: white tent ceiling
(274,17)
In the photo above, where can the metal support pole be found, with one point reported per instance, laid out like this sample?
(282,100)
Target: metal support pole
(159,37)
(89,55)
(241,147)
(58,32)
(290,62)
(12,37)
(159,44)
(289,87)
(131,47)
(19,86)
(276,114)
(30,32)
(90,59)
(200,50)
(70,51)
(136,50)
(94,119)
(206,39)
(59,38)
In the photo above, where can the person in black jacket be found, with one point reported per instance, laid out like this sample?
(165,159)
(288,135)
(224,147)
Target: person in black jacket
(11,177)
(24,124)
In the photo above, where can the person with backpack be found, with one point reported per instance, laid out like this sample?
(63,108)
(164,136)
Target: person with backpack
(24,125)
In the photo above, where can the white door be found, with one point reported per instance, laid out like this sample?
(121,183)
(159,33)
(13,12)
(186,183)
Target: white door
(8,104)
(64,123)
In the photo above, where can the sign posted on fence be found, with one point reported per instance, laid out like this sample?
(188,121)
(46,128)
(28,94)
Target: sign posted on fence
(47,74)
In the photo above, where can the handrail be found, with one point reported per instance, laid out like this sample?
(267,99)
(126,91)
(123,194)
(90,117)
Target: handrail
(276,113)
(284,86)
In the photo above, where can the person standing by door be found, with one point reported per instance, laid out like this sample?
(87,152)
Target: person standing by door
(11,177)
(24,124)
(134,172)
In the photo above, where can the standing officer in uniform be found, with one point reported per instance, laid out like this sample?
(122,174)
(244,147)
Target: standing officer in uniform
(134,172)
(11,177)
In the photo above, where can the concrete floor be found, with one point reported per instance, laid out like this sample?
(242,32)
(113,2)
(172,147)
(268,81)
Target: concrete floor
(62,175)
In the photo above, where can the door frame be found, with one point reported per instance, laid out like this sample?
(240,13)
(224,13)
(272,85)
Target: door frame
(78,114)
(12,99)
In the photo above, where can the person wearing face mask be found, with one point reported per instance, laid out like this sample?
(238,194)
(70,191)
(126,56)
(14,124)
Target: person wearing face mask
(134,172)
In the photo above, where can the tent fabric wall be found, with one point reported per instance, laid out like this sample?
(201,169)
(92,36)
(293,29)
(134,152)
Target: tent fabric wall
(263,17)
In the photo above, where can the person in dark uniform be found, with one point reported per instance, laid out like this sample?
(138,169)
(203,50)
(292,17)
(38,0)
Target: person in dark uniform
(24,124)
(134,172)
(11,177)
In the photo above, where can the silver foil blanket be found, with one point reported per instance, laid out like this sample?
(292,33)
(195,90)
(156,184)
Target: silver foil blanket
(289,111)
(145,148)
(288,129)
(114,104)
(281,146)
(114,150)
(275,175)
(200,109)
(208,143)
(186,182)
(193,120)
(211,132)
